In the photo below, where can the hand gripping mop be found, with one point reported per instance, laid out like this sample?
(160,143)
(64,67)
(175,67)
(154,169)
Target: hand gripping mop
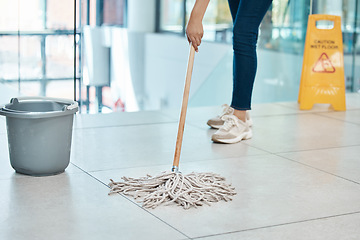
(191,190)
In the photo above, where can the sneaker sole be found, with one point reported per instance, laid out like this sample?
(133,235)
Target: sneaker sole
(244,136)
(250,122)
(215,126)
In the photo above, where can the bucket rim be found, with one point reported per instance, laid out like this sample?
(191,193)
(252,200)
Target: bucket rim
(70,107)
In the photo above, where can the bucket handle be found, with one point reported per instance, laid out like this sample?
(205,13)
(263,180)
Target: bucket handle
(73,104)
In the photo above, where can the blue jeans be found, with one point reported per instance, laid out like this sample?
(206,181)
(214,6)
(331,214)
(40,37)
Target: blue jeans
(247,16)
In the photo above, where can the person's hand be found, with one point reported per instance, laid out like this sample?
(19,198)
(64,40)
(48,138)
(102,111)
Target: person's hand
(194,32)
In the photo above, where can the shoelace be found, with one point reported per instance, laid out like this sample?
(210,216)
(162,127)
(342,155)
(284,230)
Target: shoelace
(226,110)
(229,122)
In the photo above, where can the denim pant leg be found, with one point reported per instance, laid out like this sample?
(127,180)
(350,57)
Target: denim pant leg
(247,16)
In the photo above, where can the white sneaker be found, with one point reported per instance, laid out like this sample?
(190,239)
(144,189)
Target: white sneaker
(217,122)
(234,130)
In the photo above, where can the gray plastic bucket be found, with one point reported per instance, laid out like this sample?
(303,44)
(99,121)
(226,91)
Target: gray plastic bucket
(39,134)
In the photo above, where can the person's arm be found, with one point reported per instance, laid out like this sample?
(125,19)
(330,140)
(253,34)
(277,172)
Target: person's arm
(194,29)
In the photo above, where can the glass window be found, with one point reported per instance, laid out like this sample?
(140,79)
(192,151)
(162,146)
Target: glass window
(283,27)
(30,57)
(59,14)
(36,44)
(114,12)
(9,58)
(217,20)
(9,15)
(31,15)
(59,56)
(30,88)
(172,16)
(102,17)
(349,12)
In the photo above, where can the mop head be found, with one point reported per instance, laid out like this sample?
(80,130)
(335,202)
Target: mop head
(191,190)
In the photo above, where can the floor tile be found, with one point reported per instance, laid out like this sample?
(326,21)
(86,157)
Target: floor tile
(296,178)
(5,167)
(316,107)
(7,172)
(302,132)
(270,190)
(344,161)
(119,119)
(74,206)
(271,109)
(144,145)
(194,114)
(351,116)
(198,116)
(341,227)
(352,102)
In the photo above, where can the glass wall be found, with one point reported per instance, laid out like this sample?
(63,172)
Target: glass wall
(37,47)
(217,20)
(285,21)
(281,40)
(110,61)
(172,18)
(100,18)
(349,11)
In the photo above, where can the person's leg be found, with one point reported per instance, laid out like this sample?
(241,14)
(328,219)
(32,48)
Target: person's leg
(246,19)
(234,6)
(245,33)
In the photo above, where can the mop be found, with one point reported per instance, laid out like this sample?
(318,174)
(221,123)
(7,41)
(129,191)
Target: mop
(174,187)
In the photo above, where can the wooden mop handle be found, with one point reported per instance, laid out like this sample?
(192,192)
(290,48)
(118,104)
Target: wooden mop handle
(175,167)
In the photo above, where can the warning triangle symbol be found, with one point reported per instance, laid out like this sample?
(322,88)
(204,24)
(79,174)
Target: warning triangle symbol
(323,65)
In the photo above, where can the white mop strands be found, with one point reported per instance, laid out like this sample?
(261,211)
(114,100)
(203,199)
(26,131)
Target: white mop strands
(191,190)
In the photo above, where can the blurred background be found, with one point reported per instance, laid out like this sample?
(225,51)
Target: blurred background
(131,55)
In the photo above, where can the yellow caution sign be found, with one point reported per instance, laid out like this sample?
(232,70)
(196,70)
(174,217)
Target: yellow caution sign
(322,77)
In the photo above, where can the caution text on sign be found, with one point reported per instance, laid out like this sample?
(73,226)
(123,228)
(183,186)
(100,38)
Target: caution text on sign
(324,44)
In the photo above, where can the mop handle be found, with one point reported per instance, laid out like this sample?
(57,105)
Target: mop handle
(175,167)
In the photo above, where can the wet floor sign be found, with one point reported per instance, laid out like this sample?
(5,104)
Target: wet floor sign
(322,77)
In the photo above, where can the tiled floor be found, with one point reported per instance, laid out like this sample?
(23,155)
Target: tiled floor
(297,178)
